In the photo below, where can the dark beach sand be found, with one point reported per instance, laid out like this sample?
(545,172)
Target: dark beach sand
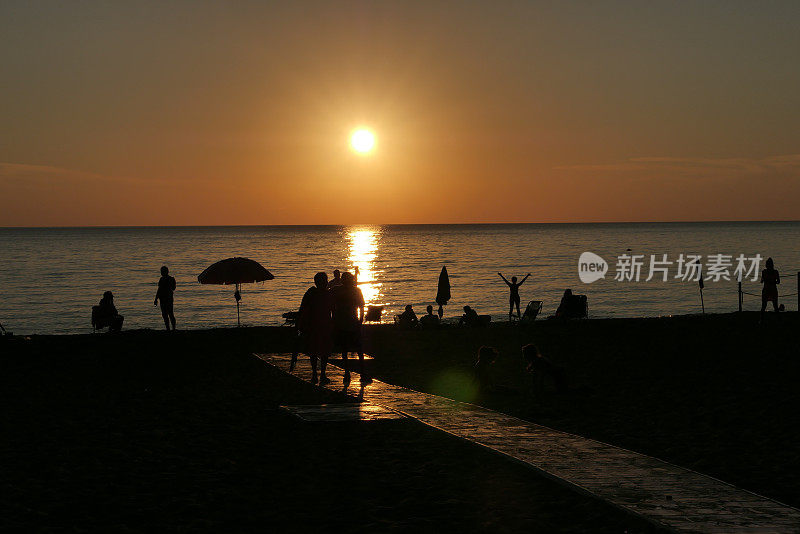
(719,394)
(146,431)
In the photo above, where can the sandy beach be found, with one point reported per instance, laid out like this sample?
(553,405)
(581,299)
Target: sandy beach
(145,430)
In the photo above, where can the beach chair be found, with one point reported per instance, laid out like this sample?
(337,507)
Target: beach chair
(532,310)
(373,314)
(580,307)
(290,318)
(96,322)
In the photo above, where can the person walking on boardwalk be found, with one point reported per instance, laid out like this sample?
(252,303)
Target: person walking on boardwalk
(348,316)
(770,278)
(315,321)
(513,297)
(164,295)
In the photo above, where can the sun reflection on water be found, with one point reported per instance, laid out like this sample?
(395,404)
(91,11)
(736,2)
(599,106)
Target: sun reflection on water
(362,243)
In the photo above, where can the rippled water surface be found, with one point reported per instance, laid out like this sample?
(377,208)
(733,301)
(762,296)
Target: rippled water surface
(50,278)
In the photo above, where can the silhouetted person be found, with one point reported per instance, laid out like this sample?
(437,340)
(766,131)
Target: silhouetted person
(337,279)
(538,367)
(770,278)
(316,322)
(565,307)
(106,314)
(470,317)
(513,296)
(484,368)
(164,296)
(408,319)
(443,294)
(429,320)
(348,316)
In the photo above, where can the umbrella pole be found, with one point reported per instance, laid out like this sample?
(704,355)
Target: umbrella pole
(238,322)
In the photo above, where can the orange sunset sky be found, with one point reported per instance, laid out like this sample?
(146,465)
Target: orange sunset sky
(194,113)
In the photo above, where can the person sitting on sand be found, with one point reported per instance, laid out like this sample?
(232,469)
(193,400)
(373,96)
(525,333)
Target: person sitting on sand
(408,319)
(470,318)
(430,319)
(484,368)
(164,294)
(513,297)
(564,310)
(348,316)
(316,323)
(770,278)
(538,367)
(105,314)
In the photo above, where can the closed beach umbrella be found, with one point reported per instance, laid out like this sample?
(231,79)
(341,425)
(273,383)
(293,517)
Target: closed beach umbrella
(443,291)
(235,271)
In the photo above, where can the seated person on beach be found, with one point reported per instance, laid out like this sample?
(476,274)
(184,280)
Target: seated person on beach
(571,306)
(565,304)
(484,368)
(105,314)
(470,318)
(430,319)
(538,367)
(407,319)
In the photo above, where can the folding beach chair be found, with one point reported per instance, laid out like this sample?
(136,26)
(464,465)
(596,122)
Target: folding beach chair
(290,318)
(96,323)
(373,314)
(532,310)
(580,307)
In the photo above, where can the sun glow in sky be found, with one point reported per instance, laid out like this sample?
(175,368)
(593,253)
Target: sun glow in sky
(362,140)
(241,113)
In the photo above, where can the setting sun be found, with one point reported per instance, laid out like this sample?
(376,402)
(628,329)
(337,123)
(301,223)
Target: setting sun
(362,141)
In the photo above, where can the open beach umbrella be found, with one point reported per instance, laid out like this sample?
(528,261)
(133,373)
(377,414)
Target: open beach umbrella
(235,271)
(443,291)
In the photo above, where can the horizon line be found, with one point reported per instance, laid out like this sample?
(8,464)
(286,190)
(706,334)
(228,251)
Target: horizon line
(339,225)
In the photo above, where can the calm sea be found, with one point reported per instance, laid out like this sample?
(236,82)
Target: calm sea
(50,278)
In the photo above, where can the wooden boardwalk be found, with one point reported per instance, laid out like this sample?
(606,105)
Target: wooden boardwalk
(665,494)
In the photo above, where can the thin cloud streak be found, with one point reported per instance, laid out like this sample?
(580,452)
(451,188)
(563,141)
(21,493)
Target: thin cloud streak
(42,174)
(698,166)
